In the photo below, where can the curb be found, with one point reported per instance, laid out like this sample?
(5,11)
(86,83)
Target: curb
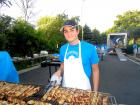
(28,69)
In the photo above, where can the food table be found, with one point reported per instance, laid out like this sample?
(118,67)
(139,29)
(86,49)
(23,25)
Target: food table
(52,94)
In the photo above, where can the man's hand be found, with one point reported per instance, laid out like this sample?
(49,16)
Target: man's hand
(60,70)
(57,79)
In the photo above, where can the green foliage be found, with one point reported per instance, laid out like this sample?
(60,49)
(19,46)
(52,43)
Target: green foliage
(138,42)
(136,33)
(128,22)
(87,33)
(131,41)
(3,41)
(103,38)
(5,24)
(50,29)
(96,36)
(22,40)
(86,29)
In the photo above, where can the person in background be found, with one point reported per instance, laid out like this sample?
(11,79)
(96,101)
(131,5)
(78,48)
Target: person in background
(8,71)
(79,60)
(100,53)
(135,49)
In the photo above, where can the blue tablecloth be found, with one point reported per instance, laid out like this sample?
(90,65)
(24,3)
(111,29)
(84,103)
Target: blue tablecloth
(8,71)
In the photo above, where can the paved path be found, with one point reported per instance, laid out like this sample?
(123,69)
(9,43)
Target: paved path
(121,56)
(38,76)
(121,79)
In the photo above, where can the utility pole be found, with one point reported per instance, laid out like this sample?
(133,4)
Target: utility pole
(82,18)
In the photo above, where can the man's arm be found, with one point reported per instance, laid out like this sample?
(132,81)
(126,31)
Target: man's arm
(59,72)
(95,78)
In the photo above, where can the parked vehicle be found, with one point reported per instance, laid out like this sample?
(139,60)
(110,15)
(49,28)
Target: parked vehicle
(116,40)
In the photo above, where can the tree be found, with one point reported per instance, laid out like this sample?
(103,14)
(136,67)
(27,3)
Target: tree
(136,35)
(87,32)
(86,29)
(26,7)
(96,36)
(3,41)
(5,2)
(103,38)
(5,25)
(50,27)
(21,39)
(126,22)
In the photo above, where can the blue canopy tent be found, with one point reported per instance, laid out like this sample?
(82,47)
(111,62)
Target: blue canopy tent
(8,72)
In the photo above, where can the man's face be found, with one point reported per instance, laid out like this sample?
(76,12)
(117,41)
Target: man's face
(70,33)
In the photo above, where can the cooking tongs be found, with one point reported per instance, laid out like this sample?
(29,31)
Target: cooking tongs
(42,92)
(46,88)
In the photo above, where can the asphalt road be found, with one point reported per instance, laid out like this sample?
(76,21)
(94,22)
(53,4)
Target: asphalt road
(39,76)
(119,78)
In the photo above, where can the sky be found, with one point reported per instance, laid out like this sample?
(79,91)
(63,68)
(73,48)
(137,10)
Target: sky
(99,14)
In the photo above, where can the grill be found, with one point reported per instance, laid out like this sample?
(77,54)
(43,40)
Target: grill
(51,94)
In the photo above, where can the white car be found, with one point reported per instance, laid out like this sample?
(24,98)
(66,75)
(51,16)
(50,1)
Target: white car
(44,52)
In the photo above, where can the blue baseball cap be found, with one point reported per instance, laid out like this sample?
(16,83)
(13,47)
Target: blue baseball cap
(68,23)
